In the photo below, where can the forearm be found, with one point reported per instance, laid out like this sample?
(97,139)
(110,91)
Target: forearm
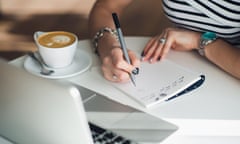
(225,56)
(101,14)
(100,17)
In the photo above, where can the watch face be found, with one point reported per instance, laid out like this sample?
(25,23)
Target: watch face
(209,36)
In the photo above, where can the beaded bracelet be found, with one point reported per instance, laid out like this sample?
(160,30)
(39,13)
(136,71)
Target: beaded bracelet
(100,34)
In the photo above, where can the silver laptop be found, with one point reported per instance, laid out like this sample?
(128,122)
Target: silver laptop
(42,111)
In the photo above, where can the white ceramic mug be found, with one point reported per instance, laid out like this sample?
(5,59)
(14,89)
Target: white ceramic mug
(57,48)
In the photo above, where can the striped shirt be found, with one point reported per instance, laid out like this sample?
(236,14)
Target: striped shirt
(219,16)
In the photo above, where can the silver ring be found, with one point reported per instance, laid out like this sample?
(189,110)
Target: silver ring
(162,40)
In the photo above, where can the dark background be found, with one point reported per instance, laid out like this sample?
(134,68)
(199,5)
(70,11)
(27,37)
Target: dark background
(19,19)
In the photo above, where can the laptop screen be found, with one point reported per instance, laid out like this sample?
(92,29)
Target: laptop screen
(40,111)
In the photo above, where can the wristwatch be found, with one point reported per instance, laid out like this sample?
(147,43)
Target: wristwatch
(206,38)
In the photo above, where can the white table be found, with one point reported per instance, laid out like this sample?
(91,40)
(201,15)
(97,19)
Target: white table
(209,114)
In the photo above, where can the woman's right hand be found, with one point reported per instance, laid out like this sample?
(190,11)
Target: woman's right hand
(114,67)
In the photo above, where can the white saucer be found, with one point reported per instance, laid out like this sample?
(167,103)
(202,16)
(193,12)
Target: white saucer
(82,62)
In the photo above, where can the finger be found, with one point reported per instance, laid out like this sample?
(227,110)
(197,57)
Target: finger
(112,73)
(166,47)
(107,68)
(148,45)
(111,77)
(135,63)
(120,76)
(117,57)
(120,63)
(161,40)
(150,48)
(134,59)
(157,54)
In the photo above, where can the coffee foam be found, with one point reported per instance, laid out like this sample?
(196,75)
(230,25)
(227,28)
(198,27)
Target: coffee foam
(56,39)
(60,39)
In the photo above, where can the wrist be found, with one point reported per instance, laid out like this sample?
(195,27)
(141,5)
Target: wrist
(102,33)
(205,39)
(106,44)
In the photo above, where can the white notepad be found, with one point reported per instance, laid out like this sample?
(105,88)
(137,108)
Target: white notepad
(160,81)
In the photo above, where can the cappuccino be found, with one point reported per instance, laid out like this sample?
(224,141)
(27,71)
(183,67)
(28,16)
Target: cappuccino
(56,39)
(57,48)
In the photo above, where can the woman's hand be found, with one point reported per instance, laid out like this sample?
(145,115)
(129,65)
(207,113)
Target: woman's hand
(115,68)
(175,38)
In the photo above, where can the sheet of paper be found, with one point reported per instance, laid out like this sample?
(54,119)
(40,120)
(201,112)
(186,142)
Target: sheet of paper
(155,82)
(158,82)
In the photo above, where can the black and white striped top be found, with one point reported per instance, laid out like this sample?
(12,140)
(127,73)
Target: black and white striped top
(219,16)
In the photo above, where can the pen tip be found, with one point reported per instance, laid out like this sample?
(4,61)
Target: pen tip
(133,79)
(134,84)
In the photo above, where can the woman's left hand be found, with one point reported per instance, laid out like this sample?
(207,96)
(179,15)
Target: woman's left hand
(175,38)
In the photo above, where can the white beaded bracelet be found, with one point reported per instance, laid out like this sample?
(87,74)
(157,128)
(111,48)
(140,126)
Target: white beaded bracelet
(100,34)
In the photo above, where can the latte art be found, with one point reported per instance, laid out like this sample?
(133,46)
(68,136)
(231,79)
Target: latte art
(56,39)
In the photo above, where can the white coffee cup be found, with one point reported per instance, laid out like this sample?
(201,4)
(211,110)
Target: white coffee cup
(57,48)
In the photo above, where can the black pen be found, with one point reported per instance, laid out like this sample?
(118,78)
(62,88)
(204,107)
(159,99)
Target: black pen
(123,44)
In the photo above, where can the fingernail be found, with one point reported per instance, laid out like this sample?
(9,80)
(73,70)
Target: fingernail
(135,71)
(115,77)
(142,54)
(151,60)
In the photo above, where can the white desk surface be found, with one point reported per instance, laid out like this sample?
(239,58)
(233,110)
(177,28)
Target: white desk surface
(210,111)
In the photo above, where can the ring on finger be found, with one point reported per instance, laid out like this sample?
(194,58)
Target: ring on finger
(162,40)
